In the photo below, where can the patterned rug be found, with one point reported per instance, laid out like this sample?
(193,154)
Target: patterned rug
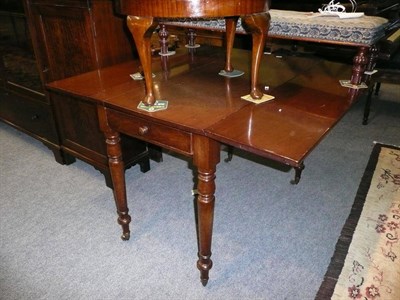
(366,262)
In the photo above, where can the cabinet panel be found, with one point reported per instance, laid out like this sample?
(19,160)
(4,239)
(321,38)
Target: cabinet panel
(65,41)
(78,124)
(71,38)
(114,42)
(18,67)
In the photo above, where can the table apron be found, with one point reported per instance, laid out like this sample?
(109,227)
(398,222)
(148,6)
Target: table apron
(152,132)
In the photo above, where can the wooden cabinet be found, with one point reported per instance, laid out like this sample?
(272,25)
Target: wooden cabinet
(72,37)
(23,102)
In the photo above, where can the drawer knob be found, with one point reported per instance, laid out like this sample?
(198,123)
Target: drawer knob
(34,117)
(143,130)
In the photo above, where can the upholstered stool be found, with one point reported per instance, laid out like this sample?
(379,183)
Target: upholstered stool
(361,32)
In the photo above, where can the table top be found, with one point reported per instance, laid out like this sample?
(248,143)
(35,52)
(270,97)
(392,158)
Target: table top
(308,102)
(190,8)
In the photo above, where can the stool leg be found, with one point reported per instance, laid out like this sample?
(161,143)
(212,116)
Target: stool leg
(368,104)
(359,64)
(191,37)
(163,39)
(372,58)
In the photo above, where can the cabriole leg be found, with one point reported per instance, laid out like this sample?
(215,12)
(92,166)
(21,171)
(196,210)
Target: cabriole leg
(142,28)
(257,25)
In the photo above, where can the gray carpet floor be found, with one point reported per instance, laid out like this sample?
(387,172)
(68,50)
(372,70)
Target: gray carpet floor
(272,240)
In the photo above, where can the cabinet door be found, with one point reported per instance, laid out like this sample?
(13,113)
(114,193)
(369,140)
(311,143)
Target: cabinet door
(81,135)
(74,37)
(63,38)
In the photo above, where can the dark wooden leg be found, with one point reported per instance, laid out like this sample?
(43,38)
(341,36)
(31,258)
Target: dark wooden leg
(230,24)
(144,165)
(163,39)
(107,177)
(61,157)
(257,25)
(368,103)
(373,56)
(205,158)
(359,65)
(142,28)
(155,152)
(191,38)
(297,176)
(230,153)
(117,171)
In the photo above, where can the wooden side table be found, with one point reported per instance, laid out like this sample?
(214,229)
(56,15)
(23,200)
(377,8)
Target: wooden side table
(143,18)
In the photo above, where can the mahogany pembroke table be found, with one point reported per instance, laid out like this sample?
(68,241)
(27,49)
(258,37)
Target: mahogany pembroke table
(205,110)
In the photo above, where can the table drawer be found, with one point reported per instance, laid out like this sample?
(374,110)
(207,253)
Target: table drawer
(162,135)
(34,117)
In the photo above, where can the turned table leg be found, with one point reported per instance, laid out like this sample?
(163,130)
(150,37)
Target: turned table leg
(117,171)
(141,29)
(257,25)
(206,157)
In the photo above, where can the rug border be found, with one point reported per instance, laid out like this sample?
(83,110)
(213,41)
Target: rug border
(342,246)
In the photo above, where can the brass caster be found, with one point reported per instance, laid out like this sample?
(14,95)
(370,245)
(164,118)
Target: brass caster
(125,236)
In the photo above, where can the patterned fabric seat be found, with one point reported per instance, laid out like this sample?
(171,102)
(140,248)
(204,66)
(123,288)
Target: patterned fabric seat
(363,31)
